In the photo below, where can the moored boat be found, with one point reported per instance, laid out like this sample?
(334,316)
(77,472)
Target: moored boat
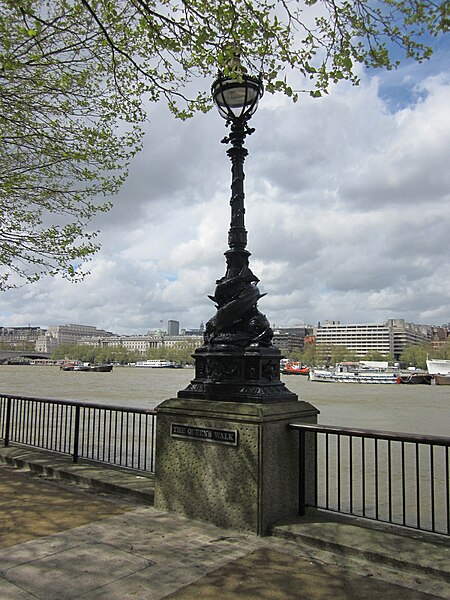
(82,367)
(294,368)
(438,366)
(416,378)
(101,368)
(67,366)
(356,372)
(85,367)
(439,369)
(441,379)
(157,364)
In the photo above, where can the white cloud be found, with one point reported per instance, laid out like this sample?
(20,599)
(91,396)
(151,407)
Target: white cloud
(348,216)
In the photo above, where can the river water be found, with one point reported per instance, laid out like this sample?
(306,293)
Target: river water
(404,408)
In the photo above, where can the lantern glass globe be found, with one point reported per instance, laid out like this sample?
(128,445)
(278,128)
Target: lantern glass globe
(237,99)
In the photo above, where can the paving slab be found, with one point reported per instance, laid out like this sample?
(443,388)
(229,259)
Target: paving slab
(272,575)
(9,591)
(84,568)
(25,514)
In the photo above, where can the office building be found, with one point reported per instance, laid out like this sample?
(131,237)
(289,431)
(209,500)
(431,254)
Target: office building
(290,339)
(173,327)
(69,334)
(389,338)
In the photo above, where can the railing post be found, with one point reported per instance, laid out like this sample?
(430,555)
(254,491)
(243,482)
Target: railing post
(302,472)
(76,434)
(8,421)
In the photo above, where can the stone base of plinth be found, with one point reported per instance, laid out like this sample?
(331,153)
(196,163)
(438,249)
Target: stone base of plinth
(235,465)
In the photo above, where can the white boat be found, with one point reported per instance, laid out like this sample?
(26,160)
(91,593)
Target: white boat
(438,366)
(157,364)
(356,373)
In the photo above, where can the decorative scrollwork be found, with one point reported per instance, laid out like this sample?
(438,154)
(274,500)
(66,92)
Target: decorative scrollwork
(219,369)
(237,321)
(271,370)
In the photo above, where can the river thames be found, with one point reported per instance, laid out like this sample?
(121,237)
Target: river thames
(405,408)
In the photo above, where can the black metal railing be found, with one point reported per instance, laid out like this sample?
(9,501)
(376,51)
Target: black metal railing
(397,478)
(115,435)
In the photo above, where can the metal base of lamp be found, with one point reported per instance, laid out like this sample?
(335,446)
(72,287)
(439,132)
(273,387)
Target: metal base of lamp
(229,374)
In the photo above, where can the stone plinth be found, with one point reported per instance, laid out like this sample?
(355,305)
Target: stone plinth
(232,464)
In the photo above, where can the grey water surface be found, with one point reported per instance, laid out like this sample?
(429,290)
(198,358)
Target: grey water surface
(405,408)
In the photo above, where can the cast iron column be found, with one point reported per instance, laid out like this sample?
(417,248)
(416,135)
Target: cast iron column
(237,236)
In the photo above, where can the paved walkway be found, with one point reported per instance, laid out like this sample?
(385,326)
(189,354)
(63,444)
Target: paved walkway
(61,541)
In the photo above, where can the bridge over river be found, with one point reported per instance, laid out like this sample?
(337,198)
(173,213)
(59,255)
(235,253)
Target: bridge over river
(8,355)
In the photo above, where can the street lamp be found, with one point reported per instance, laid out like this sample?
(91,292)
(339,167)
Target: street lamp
(245,478)
(237,361)
(237,99)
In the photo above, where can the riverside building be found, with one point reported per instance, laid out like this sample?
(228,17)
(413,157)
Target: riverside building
(16,335)
(143,343)
(391,337)
(69,334)
(134,343)
(290,339)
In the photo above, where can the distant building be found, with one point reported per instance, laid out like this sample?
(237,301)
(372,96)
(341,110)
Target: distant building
(441,333)
(16,335)
(70,334)
(169,341)
(173,328)
(391,337)
(408,334)
(134,343)
(190,332)
(144,343)
(440,336)
(46,343)
(290,339)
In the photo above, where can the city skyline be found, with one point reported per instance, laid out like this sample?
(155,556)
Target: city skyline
(185,330)
(348,213)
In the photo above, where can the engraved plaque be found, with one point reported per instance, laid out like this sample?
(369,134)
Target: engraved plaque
(229,437)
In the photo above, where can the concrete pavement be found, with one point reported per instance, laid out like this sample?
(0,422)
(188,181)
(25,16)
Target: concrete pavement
(90,533)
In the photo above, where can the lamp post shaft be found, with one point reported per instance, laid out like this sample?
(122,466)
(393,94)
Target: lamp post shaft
(237,235)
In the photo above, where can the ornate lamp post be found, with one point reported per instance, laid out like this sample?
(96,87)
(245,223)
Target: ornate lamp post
(224,450)
(237,361)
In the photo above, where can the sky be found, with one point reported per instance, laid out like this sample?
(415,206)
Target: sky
(347,212)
